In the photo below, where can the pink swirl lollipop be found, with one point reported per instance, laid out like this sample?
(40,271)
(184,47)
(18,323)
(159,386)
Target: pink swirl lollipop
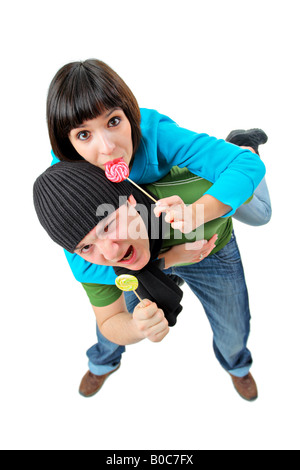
(117,171)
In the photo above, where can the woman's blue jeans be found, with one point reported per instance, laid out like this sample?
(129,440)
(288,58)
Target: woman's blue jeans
(219,283)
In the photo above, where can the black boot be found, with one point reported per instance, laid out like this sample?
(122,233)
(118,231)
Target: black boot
(250,138)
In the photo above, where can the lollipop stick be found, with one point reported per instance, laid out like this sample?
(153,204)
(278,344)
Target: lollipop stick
(132,182)
(138,296)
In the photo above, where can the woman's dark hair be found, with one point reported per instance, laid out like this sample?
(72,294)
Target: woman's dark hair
(81,91)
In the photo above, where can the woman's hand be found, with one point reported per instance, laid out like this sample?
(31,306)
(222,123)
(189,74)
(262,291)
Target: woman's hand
(189,252)
(180,216)
(188,218)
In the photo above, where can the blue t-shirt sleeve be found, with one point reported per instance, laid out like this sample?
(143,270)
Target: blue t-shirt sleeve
(89,273)
(54,158)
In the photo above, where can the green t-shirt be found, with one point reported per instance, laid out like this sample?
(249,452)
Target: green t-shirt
(189,188)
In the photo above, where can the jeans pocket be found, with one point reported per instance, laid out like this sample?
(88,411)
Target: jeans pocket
(230,254)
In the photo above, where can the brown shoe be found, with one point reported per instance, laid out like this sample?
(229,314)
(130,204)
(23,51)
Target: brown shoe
(246,387)
(91,383)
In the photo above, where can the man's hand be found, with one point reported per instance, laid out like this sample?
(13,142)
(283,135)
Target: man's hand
(150,321)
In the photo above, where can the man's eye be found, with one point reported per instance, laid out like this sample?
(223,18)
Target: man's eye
(86,249)
(115,121)
(106,228)
(84,135)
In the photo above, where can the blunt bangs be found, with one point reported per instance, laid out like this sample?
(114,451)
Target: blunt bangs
(86,97)
(82,91)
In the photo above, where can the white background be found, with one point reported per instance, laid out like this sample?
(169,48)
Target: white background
(212,66)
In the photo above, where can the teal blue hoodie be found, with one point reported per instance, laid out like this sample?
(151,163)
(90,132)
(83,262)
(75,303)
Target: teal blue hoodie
(235,172)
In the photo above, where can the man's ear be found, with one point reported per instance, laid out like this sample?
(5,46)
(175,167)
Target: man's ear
(132,201)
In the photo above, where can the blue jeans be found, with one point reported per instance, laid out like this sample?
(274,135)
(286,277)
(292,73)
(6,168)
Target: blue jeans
(259,210)
(219,283)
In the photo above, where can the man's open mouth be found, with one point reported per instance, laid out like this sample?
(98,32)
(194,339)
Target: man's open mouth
(130,253)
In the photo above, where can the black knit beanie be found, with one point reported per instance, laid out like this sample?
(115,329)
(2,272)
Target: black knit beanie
(67,197)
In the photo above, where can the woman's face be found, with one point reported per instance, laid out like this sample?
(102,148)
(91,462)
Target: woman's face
(119,240)
(104,139)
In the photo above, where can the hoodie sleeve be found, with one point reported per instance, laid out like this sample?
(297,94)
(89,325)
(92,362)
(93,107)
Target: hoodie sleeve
(234,172)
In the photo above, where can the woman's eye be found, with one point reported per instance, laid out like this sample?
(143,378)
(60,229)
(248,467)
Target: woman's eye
(84,135)
(115,121)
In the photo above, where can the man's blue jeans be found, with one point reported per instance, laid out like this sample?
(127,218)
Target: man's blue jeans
(219,283)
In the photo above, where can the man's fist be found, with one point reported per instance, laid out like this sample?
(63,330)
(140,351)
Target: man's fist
(150,321)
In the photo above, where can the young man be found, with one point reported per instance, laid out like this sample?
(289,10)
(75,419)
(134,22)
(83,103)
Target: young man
(93,115)
(81,211)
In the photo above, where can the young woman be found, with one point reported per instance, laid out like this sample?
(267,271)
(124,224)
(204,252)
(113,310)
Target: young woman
(72,202)
(93,115)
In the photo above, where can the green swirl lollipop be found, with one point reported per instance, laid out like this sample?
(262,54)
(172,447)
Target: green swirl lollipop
(127,283)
